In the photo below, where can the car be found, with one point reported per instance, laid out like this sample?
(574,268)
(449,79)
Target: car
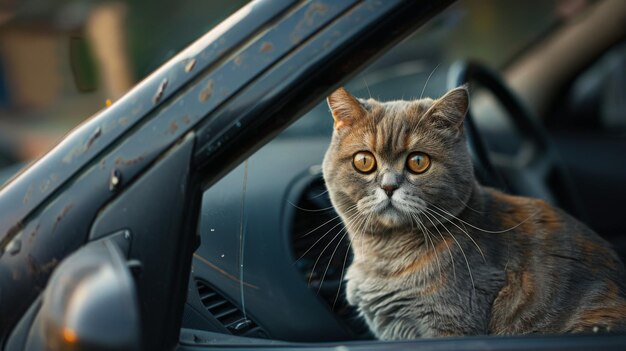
(192,214)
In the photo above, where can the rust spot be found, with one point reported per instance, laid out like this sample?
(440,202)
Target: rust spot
(190,65)
(266,47)
(48,267)
(64,212)
(173,127)
(160,91)
(238,60)
(34,268)
(103,163)
(326,44)
(44,186)
(121,161)
(186,119)
(76,151)
(61,215)
(315,10)
(29,192)
(94,136)
(32,235)
(205,94)
(123,121)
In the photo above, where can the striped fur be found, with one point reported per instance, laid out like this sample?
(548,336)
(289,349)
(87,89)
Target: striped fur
(445,256)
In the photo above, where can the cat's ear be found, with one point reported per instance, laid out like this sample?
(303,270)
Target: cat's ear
(345,108)
(448,111)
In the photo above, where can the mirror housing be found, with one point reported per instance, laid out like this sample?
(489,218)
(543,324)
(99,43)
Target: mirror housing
(90,303)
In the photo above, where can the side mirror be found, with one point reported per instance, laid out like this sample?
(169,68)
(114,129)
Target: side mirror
(90,303)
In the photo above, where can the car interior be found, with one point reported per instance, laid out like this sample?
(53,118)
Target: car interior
(273,251)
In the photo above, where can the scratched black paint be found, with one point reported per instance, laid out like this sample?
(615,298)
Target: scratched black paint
(250,103)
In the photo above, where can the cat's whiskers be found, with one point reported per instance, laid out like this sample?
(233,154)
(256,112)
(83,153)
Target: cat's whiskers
(311,210)
(426,233)
(413,208)
(350,210)
(357,234)
(469,270)
(481,229)
(367,87)
(321,255)
(327,245)
(359,230)
(428,79)
(343,270)
(331,259)
(367,203)
(466,204)
(320,226)
(320,194)
(344,261)
(445,242)
(461,229)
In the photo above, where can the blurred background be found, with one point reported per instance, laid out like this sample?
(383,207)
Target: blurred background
(62,60)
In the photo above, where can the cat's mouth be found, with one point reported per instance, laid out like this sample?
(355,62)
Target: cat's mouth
(385,206)
(389,214)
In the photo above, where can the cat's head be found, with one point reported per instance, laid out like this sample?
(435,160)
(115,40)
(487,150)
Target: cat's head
(390,161)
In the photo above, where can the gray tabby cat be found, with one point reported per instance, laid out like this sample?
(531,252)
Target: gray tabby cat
(435,253)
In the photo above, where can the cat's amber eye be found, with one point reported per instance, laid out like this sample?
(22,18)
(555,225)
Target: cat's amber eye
(418,162)
(364,162)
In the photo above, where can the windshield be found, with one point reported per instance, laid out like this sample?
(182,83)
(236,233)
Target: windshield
(418,66)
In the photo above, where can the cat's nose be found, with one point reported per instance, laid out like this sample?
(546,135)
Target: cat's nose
(389,189)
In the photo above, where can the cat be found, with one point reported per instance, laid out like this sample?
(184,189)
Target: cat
(437,254)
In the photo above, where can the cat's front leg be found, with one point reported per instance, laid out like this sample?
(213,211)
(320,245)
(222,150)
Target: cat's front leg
(396,329)
(403,330)
(352,288)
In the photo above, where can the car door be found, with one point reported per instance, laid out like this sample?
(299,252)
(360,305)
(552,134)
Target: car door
(138,167)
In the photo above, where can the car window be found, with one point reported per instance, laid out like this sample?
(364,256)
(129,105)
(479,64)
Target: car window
(277,198)
(492,32)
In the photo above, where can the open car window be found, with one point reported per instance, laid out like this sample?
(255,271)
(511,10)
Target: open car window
(270,237)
